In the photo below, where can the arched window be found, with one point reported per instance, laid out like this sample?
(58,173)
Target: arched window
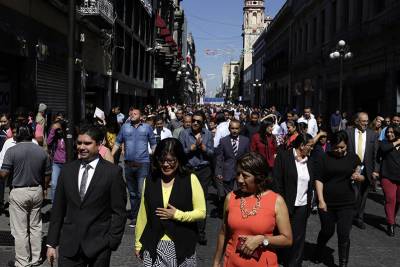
(254,18)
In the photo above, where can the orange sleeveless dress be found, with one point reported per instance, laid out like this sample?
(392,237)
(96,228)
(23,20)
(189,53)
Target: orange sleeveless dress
(263,223)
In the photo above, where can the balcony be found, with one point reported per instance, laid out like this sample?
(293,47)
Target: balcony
(100,12)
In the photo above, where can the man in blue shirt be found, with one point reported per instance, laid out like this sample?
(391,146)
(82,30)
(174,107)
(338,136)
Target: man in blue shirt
(135,136)
(198,145)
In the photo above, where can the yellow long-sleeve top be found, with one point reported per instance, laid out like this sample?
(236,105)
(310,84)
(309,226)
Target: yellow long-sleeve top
(198,212)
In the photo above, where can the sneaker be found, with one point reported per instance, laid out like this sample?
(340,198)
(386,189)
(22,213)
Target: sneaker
(132,224)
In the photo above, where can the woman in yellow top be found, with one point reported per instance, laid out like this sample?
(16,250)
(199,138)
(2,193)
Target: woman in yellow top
(172,202)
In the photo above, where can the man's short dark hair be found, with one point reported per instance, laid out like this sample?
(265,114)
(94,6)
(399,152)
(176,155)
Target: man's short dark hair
(200,113)
(255,113)
(93,131)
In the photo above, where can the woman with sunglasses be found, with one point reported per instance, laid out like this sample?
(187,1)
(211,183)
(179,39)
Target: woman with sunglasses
(172,202)
(337,175)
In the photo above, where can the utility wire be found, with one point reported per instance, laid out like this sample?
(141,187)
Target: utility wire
(213,21)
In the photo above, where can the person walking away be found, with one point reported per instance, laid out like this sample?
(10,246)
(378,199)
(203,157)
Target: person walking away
(28,165)
(135,136)
(199,148)
(88,215)
(255,221)
(364,143)
(167,232)
(390,175)
(337,174)
(230,149)
(293,173)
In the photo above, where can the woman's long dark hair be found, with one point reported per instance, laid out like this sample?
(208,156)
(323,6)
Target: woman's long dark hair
(169,146)
(396,131)
(255,164)
(263,130)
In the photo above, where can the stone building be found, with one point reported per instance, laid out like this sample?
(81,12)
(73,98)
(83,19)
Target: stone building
(299,71)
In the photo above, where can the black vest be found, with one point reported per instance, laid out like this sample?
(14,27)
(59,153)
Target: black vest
(183,234)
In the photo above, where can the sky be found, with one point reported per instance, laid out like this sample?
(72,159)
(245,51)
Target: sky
(216,26)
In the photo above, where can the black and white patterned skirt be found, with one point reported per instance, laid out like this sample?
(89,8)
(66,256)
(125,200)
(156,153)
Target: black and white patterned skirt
(166,257)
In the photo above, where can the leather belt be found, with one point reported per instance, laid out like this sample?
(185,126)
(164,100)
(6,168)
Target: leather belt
(25,186)
(133,164)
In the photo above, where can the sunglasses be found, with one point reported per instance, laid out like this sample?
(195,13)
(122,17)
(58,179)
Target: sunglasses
(197,121)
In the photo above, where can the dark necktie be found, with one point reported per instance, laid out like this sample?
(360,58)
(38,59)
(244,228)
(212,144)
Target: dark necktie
(85,175)
(234,146)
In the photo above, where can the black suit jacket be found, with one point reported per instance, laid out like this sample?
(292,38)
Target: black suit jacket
(286,177)
(371,148)
(226,159)
(94,224)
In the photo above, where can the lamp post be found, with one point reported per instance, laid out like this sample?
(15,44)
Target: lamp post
(342,52)
(257,85)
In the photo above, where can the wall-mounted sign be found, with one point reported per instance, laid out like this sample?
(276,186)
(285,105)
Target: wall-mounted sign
(158,83)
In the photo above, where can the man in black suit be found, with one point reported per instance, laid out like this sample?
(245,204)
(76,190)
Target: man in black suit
(88,215)
(229,150)
(364,142)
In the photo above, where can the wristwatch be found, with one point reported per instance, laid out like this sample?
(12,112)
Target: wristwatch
(265,242)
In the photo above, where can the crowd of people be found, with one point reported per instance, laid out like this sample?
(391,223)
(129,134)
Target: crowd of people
(270,171)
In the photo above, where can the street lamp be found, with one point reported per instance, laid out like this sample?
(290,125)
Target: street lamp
(257,85)
(342,52)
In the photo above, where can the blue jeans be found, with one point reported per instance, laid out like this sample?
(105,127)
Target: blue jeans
(56,169)
(134,179)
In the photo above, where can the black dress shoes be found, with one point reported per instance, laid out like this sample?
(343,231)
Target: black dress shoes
(390,230)
(360,224)
(202,240)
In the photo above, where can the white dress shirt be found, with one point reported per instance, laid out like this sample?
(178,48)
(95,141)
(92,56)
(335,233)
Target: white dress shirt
(356,135)
(222,131)
(312,125)
(303,178)
(165,133)
(93,165)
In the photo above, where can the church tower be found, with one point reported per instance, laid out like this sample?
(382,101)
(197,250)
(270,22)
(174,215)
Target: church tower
(254,23)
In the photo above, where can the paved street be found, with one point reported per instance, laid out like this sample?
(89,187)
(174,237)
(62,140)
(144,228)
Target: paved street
(371,247)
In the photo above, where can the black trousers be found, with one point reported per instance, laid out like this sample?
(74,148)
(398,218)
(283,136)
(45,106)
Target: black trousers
(204,175)
(362,199)
(80,260)
(298,221)
(341,218)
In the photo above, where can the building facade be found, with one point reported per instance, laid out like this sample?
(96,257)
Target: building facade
(254,24)
(299,71)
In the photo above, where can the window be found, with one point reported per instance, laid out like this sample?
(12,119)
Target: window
(346,9)
(306,37)
(300,40)
(128,13)
(379,6)
(333,17)
(254,19)
(314,31)
(359,11)
(322,30)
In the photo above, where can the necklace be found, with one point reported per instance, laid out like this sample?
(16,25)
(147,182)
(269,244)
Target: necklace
(253,212)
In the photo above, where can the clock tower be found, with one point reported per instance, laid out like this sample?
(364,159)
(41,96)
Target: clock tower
(254,23)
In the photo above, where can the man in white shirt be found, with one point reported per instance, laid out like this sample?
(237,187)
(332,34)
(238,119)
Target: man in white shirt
(161,132)
(309,119)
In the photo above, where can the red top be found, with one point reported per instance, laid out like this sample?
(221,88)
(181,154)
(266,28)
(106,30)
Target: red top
(268,150)
(263,223)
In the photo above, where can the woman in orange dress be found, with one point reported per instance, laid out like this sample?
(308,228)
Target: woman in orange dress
(250,216)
